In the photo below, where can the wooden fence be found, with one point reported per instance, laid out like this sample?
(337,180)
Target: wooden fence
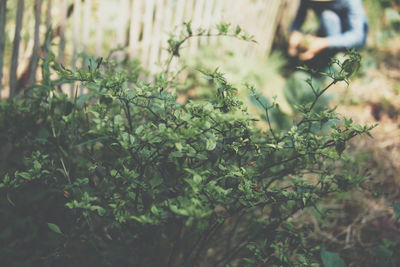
(140,26)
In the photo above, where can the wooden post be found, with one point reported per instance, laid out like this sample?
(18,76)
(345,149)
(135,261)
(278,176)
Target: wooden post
(15,52)
(3,10)
(35,57)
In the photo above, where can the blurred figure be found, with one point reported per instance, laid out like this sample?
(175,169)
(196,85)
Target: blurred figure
(343,25)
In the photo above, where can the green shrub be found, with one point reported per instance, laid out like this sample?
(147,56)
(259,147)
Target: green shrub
(126,176)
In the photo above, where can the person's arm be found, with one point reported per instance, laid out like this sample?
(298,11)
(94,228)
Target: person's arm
(355,36)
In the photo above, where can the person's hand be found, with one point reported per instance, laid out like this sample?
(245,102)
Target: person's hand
(294,42)
(316,45)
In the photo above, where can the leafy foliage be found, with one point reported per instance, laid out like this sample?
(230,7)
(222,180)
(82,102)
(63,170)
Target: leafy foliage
(124,175)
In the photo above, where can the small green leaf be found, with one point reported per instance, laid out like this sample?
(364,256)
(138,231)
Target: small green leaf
(237,30)
(101,211)
(36,165)
(23,175)
(340,146)
(331,259)
(7,178)
(178,146)
(396,209)
(156,181)
(197,179)
(189,28)
(211,144)
(54,228)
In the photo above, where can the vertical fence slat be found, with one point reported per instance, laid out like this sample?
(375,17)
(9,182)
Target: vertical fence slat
(166,29)
(197,13)
(99,29)
(288,10)
(278,4)
(15,51)
(122,27)
(188,16)
(76,31)
(207,19)
(156,35)
(229,14)
(135,26)
(48,14)
(216,16)
(188,13)
(63,22)
(207,12)
(48,20)
(179,13)
(259,12)
(87,8)
(196,23)
(123,19)
(3,10)
(76,38)
(266,23)
(35,56)
(147,30)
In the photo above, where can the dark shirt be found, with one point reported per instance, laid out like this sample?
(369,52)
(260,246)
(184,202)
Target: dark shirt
(352,16)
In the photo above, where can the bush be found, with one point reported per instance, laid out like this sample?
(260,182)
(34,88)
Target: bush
(124,175)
